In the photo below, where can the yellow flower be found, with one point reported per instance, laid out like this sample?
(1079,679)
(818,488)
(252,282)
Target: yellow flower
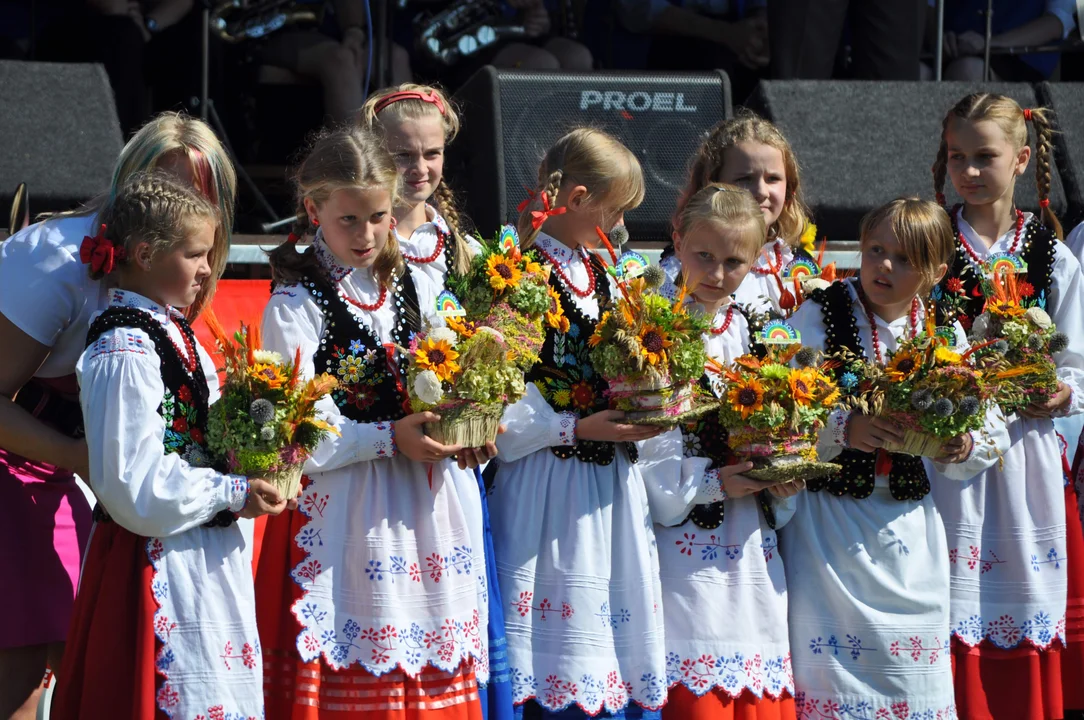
(562,398)
(802,384)
(350,369)
(654,341)
(532,268)
(461,327)
(1006,297)
(809,238)
(596,337)
(269,375)
(827,388)
(555,316)
(943,354)
(503,273)
(902,366)
(746,397)
(437,356)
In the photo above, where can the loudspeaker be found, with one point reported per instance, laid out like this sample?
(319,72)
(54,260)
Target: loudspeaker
(1067,101)
(60,131)
(861,144)
(510,118)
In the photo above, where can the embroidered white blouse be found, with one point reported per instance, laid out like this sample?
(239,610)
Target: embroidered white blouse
(423,242)
(760,293)
(206,618)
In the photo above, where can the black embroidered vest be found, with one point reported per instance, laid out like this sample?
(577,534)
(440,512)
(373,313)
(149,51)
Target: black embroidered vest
(907,479)
(564,374)
(1038,247)
(184,406)
(371,377)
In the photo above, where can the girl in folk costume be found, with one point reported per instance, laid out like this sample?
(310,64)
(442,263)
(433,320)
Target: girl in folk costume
(865,555)
(165,619)
(752,153)
(367,596)
(416,122)
(1009,620)
(577,562)
(728,653)
(43,328)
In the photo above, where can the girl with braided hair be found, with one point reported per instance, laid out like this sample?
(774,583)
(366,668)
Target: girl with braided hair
(1009,617)
(576,558)
(165,583)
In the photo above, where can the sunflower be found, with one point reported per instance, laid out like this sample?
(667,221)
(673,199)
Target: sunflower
(437,356)
(654,341)
(503,273)
(902,366)
(802,385)
(465,329)
(269,375)
(562,398)
(1005,300)
(747,397)
(943,354)
(555,316)
(596,337)
(826,387)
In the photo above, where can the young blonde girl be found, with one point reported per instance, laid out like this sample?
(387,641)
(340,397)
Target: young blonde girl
(371,597)
(416,122)
(1009,623)
(724,592)
(576,557)
(865,556)
(44,315)
(751,153)
(166,585)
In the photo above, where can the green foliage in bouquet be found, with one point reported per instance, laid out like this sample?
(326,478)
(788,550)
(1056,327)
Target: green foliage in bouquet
(462,363)
(501,274)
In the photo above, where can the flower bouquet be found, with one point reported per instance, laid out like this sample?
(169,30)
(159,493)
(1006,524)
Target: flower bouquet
(469,371)
(649,349)
(265,424)
(927,389)
(773,411)
(1015,340)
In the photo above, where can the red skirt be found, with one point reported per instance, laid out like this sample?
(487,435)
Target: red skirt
(108,670)
(1072,664)
(1019,684)
(683,704)
(296,690)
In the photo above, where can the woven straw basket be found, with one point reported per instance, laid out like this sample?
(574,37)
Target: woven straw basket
(917,443)
(470,425)
(287,480)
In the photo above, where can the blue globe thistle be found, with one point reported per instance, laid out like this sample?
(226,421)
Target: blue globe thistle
(848,380)
(654,276)
(1059,342)
(261,411)
(1001,347)
(806,357)
(921,400)
(1035,342)
(969,405)
(943,407)
(619,235)
(267,433)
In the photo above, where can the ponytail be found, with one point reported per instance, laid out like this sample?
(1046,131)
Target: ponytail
(288,266)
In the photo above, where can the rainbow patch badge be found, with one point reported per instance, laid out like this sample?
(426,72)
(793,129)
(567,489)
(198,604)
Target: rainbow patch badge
(448,305)
(509,240)
(778,332)
(947,335)
(631,264)
(801,269)
(1003,263)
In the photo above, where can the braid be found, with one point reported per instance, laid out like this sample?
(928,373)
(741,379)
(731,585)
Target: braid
(288,266)
(940,167)
(527,233)
(1044,132)
(445,200)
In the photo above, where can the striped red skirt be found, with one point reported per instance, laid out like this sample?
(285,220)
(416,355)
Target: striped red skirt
(683,704)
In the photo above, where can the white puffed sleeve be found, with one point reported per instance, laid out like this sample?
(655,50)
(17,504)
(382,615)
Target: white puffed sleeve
(1066,308)
(532,425)
(674,483)
(292,320)
(809,321)
(144,489)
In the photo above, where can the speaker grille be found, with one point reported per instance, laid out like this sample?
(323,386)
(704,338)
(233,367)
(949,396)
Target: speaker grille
(662,118)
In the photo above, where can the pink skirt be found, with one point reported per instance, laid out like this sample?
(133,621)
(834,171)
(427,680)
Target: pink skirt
(45,529)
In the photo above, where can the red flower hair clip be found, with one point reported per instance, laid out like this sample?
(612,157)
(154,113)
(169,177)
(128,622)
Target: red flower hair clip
(1027,114)
(100,253)
(527,200)
(1044,203)
(540,216)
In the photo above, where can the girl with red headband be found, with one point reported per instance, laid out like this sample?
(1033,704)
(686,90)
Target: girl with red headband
(1007,530)
(45,310)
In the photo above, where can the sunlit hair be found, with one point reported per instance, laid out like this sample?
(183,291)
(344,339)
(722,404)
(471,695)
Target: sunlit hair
(1010,117)
(415,109)
(721,207)
(341,159)
(923,230)
(707,167)
(157,209)
(598,161)
(216,179)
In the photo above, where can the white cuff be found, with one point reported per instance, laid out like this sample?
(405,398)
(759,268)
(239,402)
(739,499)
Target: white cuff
(236,489)
(563,429)
(711,489)
(384,440)
(836,427)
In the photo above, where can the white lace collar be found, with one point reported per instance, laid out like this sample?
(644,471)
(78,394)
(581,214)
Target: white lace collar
(557,250)
(336,270)
(129,299)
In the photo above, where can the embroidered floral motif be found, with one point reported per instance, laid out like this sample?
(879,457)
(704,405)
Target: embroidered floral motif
(247,656)
(108,344)
(1040,630)
(734,673)
(769,546)
(524,606)
(573,389)
(854,644)
(613,619)
(813,708)
(182,421)
(973,559)
(709,550)
(916,649)
(219,713)
(386,448)
(1052,558)
(359,375)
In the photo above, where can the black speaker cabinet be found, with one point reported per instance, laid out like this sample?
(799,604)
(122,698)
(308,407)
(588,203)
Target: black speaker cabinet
(510,118)
(1067,102)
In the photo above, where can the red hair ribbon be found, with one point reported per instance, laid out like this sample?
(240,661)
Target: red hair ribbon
(292,239)
(941,199)
(540,216)
(527,200)
(100,253)
(430,97)
(1027,114)
(1044,203)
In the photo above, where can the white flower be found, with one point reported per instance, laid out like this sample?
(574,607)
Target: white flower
(812,284)
(981,326)
(443,333)
(427,387)
(1038,316)
(268,357)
